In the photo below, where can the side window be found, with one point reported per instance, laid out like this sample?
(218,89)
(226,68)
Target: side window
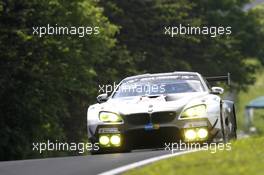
(208,84)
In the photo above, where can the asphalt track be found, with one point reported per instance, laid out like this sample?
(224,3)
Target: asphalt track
(78,165)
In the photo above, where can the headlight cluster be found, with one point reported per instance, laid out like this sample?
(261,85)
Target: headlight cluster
(110,117)
(195,134)
(195,111)
(110,140)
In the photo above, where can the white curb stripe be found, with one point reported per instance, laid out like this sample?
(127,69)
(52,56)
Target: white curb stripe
(143,162)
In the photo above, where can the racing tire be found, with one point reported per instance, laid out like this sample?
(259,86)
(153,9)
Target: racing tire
(233,132)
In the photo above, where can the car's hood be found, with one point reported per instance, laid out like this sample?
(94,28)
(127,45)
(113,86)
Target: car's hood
(150,104)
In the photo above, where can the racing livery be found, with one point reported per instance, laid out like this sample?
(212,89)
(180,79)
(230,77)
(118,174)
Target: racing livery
(145,111)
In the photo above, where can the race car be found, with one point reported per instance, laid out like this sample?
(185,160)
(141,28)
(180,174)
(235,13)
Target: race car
(148,110)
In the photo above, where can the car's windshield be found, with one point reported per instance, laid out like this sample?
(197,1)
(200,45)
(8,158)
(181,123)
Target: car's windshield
(159,85)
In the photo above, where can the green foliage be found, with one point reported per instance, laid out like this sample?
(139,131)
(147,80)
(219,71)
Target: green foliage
(244,97)
(46,83)
(258,14)
(142,31)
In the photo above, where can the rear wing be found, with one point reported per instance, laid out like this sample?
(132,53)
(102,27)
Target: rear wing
(224,78)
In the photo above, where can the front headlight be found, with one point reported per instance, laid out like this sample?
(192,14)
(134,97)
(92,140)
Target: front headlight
(195,111)
(110,117)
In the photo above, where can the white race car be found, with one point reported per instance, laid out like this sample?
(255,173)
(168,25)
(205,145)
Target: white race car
(145,111)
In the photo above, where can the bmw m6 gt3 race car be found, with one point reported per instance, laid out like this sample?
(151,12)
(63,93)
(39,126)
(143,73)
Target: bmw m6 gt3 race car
(145,111)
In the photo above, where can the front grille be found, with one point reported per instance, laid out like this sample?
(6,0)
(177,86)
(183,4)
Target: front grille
(144,118)
(152,139)
(137,119)
(163,117)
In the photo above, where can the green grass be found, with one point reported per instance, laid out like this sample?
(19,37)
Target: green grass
(244,98)
(246,157)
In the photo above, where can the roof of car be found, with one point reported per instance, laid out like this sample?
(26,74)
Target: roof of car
(162,74)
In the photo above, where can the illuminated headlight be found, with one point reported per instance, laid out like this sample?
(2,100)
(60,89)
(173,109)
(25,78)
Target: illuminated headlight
(104,140)
(190,134)
(195,134)
(110,140)
(196,111)
(115,140)
(202,133)
(109,117)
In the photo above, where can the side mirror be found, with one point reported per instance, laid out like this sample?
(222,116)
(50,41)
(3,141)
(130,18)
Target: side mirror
(217,90)
(102,98)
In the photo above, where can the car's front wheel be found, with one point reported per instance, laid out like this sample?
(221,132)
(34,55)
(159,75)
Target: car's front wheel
(229,126)
(232,125)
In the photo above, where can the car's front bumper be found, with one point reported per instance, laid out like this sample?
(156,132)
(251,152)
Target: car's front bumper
(147,136)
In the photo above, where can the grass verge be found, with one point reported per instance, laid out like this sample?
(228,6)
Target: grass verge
(246,157)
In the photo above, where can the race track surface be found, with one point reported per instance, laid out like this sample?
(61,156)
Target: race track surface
(78,165)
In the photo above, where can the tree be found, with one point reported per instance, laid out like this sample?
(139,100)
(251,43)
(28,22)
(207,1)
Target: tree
(46,83)
(142,31)
(257,46)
